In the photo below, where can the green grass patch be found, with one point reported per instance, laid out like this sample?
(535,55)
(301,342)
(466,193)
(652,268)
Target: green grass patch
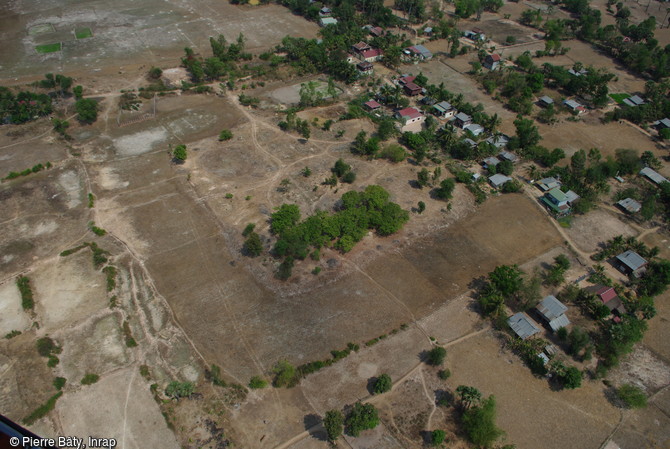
(96,230)
(41,411)
(12,334)
(67,252)
(83,33)
(48,48)
(90,379)
(619,98)
(91,201)
(59,383)
(565,222)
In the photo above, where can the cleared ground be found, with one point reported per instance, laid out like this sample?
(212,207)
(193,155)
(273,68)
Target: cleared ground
(151,33)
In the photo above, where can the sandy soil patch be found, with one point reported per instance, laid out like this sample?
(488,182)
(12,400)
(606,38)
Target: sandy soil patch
(131,415)
(141,142)
(71,184)
(68,290)
(589,230)
(12,316)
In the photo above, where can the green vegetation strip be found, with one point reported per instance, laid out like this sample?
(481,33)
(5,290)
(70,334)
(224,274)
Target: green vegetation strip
(48,48)
(42,410)
(27,301)
(28,171)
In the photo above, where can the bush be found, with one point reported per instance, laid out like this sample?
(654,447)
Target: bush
(226,134)
(89,379)
(257,382)
(382,384)
(444,374)
(349,177)
(214,376)
(361,417)
(179,153)
(436,356)
(632,396)
(46,347)
(479,423)
(437,437)
(155,73)
(177,390)
(394,153)
(59,383)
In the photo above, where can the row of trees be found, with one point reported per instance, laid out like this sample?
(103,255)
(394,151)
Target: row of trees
(222,64)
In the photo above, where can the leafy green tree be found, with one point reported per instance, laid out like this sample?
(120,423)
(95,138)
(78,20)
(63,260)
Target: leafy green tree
(423,177)
(285,374)
(421,207)
(505,167)
(287,215)
(386,129)
(436,356)
(527,133)
(506,279)
(179,153)
(87,110)
(349,177)
(382,384)
(632,396)
(394,153)
(226,134)
(468,396)
(572,378)
(361,417)
(479,423)
(253,244)
(444,192)
(60,126)
(334,424)
(648,209)
(78,92)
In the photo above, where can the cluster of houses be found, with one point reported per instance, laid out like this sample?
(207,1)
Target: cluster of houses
(573,105)
(552,312)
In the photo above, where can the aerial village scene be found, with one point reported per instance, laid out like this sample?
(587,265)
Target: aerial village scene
(341,224)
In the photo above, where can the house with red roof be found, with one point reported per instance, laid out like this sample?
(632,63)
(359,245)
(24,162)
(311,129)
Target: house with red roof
(609,298)
(492,61)
(361,46)
(372,105)
(410,119)
(371,55)
(377,31)
(412,89)
(406,79)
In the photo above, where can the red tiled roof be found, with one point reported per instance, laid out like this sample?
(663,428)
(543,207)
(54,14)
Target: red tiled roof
(495,57)
(606,294)
(412,86)
(407,79)
(372,104)
(377,31)
(372,53)
(410,112)
(361,46)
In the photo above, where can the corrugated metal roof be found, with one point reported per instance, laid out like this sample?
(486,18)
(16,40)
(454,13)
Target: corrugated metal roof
(463,117)
(631,259)
(551,308)
(491,161)
(559,322)
(499,179)
(547,100)
(558,195)
(630,205)
(506,154)
(443,106)
(571,196)
(523,325)
(653,175)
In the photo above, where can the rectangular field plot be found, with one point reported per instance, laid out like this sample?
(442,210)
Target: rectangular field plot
(48,48)
(41,29)
(83,33)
